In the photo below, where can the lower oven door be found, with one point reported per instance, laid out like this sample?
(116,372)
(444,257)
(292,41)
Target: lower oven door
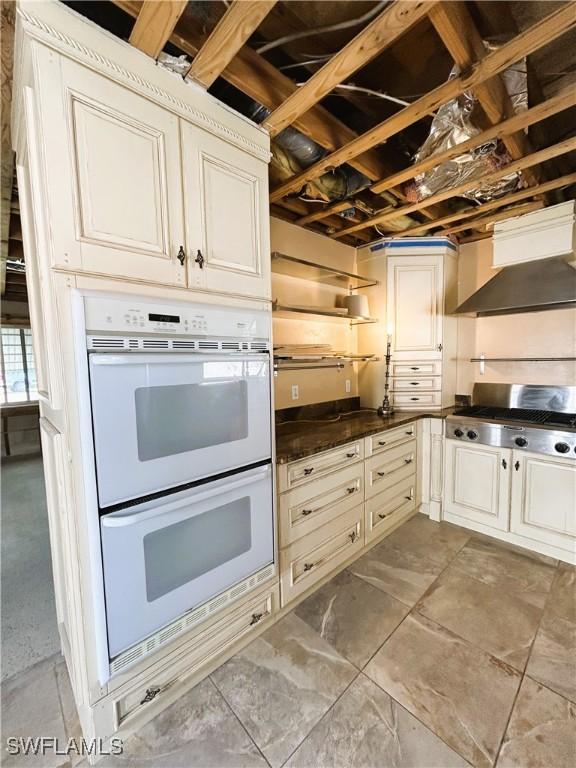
(166,557)
(166,419)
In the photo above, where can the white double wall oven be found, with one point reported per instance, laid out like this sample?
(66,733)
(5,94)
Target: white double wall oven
(180,409)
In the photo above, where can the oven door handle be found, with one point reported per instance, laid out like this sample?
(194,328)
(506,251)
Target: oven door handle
(138,358)
(123,518)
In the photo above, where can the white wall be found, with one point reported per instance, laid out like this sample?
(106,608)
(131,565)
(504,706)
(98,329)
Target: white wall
(551,333)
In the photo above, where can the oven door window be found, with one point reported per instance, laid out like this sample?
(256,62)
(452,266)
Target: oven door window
(182,552)
(184,417)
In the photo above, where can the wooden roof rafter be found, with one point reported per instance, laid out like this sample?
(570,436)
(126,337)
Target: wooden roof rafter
(562,148)
(545,31)
(154,25)
(462,39)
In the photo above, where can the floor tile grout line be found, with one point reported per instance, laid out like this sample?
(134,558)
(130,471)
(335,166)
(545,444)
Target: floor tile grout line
(465,642)
(233,711)
(551,690)
(330,708)
(548,597)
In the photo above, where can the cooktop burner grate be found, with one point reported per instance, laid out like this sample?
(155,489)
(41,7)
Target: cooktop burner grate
(550,418)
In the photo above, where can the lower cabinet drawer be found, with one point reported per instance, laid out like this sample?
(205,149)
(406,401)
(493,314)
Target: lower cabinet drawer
(409,400)
(314,504)
(316,555)
(389,468)
(387,508)
(383,441)
(206,645)
(426,383)
(302,471)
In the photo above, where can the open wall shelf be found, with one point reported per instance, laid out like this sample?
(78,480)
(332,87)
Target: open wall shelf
(311,313)
(318,273)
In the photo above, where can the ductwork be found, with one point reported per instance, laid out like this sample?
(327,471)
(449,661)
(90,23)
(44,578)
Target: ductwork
(530,287)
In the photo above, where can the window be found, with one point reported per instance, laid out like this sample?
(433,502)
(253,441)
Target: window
(17,368)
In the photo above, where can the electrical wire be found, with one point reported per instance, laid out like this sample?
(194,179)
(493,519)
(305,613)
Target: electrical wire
(371,92)
(327,421)
(321,30)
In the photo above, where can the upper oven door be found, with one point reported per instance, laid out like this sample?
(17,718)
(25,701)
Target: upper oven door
(165,419)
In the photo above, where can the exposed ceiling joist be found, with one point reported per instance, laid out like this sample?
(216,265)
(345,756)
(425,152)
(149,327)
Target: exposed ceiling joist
(458,32)
(563,100)
(563,147)
(532,39)
(514,197)
(233,30)
(155,23)
(388,27)
(482,221)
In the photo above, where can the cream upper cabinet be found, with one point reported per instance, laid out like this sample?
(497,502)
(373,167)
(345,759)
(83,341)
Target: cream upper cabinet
(225,201)
(477,484)
(544,499)
(115,186)
(415,306)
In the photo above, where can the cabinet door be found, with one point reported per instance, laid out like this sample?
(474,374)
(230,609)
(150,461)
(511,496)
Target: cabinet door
(114,177)
(477,483)
(544,499)
(225,193)
(415,306)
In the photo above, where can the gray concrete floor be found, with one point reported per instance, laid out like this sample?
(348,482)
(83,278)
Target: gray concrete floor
(28,629)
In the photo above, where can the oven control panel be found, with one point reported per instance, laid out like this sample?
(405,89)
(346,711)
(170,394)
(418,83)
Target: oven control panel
(537,439)
(128,316)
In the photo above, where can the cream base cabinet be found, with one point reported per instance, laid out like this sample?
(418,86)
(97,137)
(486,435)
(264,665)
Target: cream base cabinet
(225,196)
(112,164)
(544,499)
(477,484)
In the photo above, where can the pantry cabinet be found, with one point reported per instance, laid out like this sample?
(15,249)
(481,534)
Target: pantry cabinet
(225,196)
(477,484)
(544,499)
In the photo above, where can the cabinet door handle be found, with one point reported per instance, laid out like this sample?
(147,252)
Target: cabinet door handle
(504,464)
(439,347)
(150,694)
(199,259)
(181,256)
(350,455)
(308,566)
(308,470)
(306,512)
(517,466)
(256,617)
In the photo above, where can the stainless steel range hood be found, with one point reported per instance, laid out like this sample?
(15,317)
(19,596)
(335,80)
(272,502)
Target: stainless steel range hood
(529,287)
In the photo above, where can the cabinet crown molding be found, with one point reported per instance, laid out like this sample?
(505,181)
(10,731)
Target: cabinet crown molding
(35,27)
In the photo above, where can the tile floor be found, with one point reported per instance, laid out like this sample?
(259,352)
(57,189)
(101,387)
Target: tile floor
(439,647)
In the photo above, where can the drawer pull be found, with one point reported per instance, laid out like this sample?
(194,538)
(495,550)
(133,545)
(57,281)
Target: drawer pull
(150,694)
(256,617)
(308,566)
(414,398)
(383,516)
(306,512)
(414,368)
(410,432)
(414,383)
(351,455)
(308,470)
(353,536)
(408,461)
(409,498)
(380,474)
(351,490)
(381,442)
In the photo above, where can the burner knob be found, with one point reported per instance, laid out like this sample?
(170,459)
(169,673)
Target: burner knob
(562,447)
(472,434)
(521,441)
(458,432)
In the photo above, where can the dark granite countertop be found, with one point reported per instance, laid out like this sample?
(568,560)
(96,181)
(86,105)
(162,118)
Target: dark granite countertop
(300,438)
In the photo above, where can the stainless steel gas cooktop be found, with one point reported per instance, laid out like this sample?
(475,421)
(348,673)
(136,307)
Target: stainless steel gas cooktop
(531,417)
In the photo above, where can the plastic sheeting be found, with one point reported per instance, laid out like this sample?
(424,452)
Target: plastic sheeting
(454,123)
